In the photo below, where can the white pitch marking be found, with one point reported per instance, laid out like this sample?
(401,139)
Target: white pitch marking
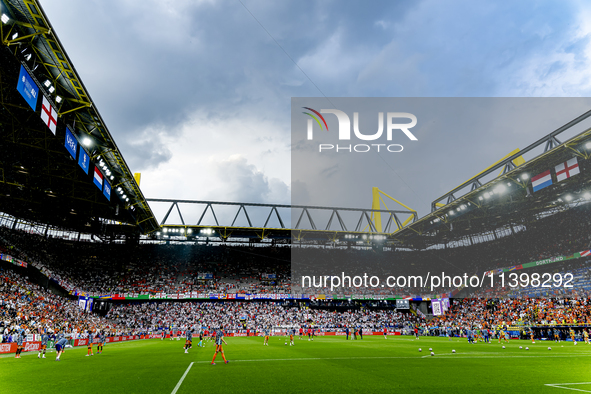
(178,385)
(559,386)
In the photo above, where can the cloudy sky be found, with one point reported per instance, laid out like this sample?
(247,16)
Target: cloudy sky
(197,94)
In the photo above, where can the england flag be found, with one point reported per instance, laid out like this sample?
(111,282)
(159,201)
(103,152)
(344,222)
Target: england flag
(567,169)
(49,115)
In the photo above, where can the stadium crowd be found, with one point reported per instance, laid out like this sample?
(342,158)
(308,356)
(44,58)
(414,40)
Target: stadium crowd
(99,269)
(486,312)
(27,306)
(234,316)
(103,269)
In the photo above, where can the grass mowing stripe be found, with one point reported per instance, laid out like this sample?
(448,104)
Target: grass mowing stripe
(178,385)
(308,359)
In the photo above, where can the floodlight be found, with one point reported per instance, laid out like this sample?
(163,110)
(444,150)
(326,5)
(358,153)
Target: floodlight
(5,18)
(58,99)
(86,141)
(500,189)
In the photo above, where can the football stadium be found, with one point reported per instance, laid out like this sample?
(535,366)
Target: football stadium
(99,294)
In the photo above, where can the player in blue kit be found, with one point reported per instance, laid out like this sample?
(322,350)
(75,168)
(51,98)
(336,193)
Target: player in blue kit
(189,340)
(470,335)
(200,344)
(266,341)
(90,340)
(101,341)
(219,339)
(20,338)
(60,347)
(43,348)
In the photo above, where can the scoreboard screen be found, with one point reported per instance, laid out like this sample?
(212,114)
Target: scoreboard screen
(402,304)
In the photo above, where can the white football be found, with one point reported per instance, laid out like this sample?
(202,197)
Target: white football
(453,351)
(526,348)
(549,348)
(432,353)
(285,343)
(430,349)
(420,350)
(521,347)
(503,346)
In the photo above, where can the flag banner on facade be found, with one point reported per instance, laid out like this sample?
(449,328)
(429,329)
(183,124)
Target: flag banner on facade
(567,169)
(541,181)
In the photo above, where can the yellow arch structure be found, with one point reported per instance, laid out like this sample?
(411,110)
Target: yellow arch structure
(376,217)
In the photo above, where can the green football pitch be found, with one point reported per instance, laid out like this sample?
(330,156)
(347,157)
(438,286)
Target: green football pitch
(325,365)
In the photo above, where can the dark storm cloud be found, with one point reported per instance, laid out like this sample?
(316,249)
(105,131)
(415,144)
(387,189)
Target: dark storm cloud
(147,154)
(246,183)
(153,64)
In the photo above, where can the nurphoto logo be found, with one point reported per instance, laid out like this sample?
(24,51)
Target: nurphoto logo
(344,130)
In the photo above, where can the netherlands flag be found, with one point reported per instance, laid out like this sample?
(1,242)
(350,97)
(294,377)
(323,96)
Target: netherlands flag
(98,178)
(541,181)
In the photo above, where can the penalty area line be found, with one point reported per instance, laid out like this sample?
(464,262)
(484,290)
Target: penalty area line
(178,385)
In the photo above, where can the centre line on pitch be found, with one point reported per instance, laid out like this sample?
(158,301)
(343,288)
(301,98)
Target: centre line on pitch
(178,385)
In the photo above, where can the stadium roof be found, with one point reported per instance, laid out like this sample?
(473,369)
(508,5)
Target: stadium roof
(487,202)
(40,180)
